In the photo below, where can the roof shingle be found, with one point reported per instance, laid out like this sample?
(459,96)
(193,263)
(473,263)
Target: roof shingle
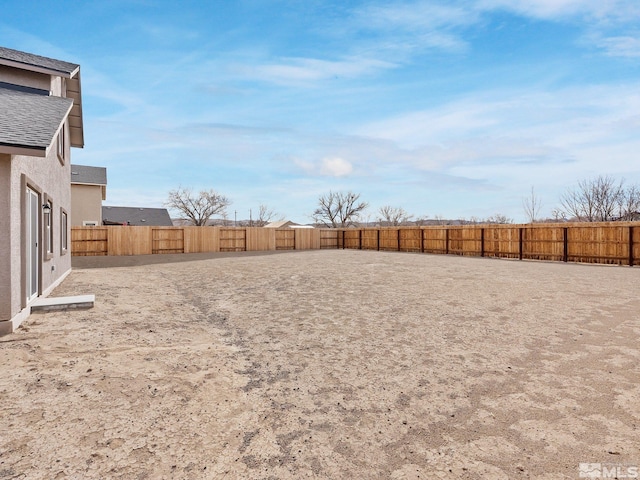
(29,120)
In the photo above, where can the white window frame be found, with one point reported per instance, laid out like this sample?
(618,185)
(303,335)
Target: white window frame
(62,145)
(64,231)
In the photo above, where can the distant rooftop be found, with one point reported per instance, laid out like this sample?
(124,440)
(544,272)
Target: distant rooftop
(158,217)
(86,174)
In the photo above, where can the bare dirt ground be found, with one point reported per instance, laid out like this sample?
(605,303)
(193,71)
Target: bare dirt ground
(327,364)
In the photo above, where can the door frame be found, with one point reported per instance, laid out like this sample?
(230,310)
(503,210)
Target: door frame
(27,267)
(32,243)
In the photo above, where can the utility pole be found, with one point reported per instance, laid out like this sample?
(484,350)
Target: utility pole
(235,218)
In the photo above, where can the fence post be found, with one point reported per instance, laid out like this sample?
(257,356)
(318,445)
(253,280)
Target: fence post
(421,240)
(446,241)
(482,242)
(520,243)
(360,239)
(378,239)
(398,239)
(631,246)
(565,247)
(343,245)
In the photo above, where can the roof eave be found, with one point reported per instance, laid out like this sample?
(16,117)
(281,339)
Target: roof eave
(76,122)
(24,150)
(39,69)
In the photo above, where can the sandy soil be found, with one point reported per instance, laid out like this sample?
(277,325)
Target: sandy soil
(327,364)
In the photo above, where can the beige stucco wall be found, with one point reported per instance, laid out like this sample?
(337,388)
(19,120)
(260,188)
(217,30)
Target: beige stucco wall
(51,178)
(5,237)
(86,204)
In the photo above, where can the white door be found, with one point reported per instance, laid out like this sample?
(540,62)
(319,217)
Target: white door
(33,224)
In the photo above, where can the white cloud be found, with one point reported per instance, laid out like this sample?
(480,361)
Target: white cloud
(327,166)
(335,167)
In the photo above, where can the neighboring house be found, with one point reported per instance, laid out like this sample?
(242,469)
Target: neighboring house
(40,119)
(157,217)
(88,190)
(286,224)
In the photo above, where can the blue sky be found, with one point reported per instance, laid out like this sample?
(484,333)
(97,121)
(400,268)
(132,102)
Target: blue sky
(444,108)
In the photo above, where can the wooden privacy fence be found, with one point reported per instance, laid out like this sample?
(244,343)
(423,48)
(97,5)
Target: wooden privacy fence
(126,240)
(611,243)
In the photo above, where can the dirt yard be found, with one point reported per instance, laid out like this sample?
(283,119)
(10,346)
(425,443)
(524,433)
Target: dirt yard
(327,364)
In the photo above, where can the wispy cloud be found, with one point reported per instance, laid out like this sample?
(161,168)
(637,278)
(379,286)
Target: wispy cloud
(620,46)
(481,132)
(600,10)
(403,29)
(302,71)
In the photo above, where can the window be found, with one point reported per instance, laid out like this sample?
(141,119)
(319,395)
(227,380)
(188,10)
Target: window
(62,144)
(48,230)
(64,234)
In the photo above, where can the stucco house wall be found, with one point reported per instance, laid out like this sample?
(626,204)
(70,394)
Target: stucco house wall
(86,204)
(37,130)
(6,246)
(50,179)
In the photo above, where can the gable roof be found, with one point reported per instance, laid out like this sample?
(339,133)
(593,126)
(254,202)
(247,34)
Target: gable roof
(37,63)
(29,122)
(136,216)
(49,66)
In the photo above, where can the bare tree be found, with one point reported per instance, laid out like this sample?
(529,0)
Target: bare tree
(393,216)
(339,209)
(422,220)
(597,200)
(629,208)
(532,206)
(498,218)
(439,220)
(265,216)
(197,208)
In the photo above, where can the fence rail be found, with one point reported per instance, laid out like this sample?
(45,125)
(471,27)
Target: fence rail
(609,243)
